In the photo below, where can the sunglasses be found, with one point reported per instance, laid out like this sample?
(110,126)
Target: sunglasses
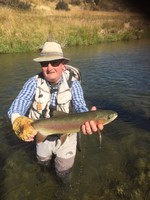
(54,63)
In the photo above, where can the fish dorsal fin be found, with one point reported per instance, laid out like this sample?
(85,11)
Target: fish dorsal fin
(59,113)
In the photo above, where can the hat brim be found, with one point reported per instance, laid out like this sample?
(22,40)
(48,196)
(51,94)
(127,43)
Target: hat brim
(50,58)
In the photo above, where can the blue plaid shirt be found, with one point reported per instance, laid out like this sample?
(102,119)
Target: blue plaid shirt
(25,98)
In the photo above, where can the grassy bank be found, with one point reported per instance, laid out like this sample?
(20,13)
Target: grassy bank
(23,31)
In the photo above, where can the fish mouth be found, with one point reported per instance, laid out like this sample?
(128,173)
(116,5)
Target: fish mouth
(114,116)
(111,117)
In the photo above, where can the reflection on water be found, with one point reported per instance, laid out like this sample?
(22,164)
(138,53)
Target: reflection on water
(115,76)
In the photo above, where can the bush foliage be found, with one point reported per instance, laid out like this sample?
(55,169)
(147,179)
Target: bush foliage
(61,5)
(16,4)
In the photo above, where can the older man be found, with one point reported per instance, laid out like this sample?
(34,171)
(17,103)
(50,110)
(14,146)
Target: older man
(42,94)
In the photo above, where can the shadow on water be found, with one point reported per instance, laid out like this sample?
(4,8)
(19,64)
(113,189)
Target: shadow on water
(136,118)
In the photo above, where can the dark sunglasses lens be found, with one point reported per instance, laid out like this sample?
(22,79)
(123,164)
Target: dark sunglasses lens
(54,63)
(44,64)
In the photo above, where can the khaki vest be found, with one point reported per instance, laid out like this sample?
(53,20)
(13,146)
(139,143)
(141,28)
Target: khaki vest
(43,95)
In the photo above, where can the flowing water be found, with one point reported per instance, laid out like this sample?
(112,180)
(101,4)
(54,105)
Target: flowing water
(115,76)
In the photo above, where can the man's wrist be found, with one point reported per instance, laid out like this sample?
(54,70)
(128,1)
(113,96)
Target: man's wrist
(14,116)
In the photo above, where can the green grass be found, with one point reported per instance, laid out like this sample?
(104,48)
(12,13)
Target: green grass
(24,31)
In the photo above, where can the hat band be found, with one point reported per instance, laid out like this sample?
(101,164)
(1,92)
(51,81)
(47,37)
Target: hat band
(51,54)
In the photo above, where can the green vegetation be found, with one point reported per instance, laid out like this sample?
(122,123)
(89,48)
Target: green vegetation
(24,30)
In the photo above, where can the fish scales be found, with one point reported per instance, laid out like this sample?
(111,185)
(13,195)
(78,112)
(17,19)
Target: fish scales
(70,123)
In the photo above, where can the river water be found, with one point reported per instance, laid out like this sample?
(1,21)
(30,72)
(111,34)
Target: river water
(115,76)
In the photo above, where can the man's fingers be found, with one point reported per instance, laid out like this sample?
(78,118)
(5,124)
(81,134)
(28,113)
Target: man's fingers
(93,108)
(93,126)
(100,126)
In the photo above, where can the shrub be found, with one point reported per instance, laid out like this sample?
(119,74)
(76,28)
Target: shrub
(75,2)
(61,5)
(16,4)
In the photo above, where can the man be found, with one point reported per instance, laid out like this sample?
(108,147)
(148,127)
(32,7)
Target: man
(42,94)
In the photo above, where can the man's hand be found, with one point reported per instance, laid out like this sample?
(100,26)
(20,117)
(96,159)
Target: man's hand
(91,127)
(23,128)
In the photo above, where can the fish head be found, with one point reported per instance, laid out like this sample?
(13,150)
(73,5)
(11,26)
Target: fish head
(110,117)
(107,116)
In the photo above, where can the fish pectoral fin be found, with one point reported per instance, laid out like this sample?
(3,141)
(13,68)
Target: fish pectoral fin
(40,138)
(59,113)
(63,138)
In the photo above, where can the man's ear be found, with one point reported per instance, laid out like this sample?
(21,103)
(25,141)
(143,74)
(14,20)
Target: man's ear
(64,67)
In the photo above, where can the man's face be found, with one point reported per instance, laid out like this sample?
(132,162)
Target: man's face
(52,70)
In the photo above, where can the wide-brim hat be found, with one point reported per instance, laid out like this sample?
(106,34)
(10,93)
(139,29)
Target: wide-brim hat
(51,51)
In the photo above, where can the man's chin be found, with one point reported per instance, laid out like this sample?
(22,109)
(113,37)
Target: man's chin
(53,80)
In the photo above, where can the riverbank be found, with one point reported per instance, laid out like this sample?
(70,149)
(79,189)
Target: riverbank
(24,31)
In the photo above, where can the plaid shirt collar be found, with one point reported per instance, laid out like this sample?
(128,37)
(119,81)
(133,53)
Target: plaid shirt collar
(55,86)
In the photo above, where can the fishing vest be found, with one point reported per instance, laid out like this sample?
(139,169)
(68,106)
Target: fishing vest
(41,104)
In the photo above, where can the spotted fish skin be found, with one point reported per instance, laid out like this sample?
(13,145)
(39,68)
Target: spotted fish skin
(71,123)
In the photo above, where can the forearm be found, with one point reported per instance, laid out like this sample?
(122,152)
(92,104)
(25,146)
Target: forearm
(18,108)
(79,105)
(78,101)
(23,101)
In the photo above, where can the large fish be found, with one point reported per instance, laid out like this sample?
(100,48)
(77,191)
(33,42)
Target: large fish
(70,123)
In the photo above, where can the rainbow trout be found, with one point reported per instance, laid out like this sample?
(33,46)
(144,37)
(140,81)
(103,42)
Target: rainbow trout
(65,123)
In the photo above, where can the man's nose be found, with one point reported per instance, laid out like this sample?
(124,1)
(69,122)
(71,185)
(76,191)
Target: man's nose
(49,66)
